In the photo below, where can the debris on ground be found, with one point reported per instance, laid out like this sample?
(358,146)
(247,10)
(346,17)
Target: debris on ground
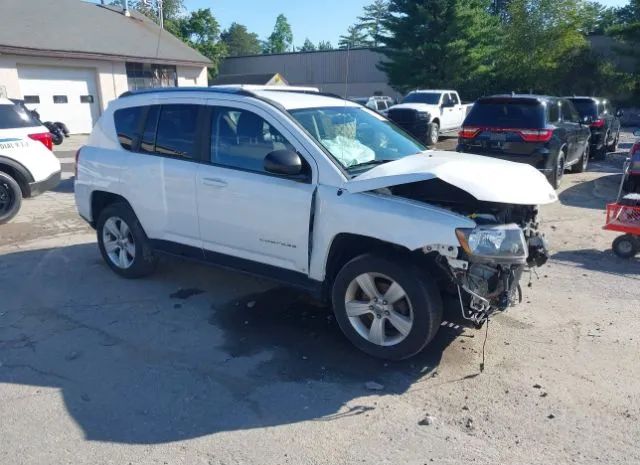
(185,293)
(551,416)
(469,423)
(373,386)
(426,421)
(537,386)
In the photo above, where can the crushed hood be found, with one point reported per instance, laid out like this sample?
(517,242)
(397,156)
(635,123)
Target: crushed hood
(487,179)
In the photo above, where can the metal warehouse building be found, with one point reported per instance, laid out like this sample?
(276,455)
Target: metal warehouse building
(350,73)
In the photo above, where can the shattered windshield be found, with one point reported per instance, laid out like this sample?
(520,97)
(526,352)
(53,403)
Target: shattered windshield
(357,138)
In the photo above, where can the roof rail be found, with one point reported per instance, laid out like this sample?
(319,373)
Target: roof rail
(163,90)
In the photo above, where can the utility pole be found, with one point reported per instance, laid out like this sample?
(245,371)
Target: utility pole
(160,13)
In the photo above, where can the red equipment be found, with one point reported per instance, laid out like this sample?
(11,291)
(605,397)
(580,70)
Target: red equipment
(624,216)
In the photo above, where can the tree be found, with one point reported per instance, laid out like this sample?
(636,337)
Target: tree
(628,32)
(541,37)
(325,45)
(171,9)
(239,41)
(596,17)
(308,46)
(434,43)
(354,37)
(372,21)
(281,39)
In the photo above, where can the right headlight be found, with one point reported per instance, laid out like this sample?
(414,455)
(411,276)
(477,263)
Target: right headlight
(503,243)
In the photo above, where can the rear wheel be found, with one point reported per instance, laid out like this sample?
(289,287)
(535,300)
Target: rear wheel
(387,308)
(626,246)
(614,145)
(123,243)
(434,134)
(10,198)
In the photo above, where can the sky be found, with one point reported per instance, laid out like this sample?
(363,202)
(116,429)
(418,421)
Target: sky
(315,19)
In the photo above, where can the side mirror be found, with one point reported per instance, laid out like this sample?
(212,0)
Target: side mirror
(619,113)
(285,162)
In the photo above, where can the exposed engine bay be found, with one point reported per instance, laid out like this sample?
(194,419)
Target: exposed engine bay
(484,284)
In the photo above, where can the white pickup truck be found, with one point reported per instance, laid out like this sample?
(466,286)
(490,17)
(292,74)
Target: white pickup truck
(427,113)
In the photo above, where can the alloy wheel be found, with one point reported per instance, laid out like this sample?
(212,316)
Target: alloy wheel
(379,309)
(118,242)
(6,198)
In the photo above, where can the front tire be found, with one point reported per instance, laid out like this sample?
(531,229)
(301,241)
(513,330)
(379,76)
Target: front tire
(123,243)
(626,246)
(387,308)
(10,198)
(434,134)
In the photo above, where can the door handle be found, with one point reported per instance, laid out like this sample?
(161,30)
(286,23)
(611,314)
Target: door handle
(214,182)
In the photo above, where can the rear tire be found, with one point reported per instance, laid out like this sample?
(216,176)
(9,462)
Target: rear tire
(386,307)
(10,198)
(433,135)
(123,243)
(614,145)
(626,246)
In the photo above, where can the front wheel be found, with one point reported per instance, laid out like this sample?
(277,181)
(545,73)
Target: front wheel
(626,246)
(387,308)
(434,134)
(10,198)
(123,243)
(558,171)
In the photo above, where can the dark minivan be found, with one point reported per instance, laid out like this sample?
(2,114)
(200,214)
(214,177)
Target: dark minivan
(604,123)
(545,132)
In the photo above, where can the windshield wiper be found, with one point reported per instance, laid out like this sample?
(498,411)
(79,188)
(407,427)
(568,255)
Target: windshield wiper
(370,162)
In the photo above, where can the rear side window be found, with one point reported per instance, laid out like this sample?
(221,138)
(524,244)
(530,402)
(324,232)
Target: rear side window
(569,112)
(127,122)
(177,129)
(553,109)
(506,114)
(15,116)
(586,107)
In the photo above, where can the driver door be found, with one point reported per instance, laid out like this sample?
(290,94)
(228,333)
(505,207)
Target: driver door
(244,211)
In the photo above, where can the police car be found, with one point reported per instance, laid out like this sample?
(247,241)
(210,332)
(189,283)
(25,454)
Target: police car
(28,166)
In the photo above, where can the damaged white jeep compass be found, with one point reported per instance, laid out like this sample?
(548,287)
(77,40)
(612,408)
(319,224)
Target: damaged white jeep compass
(318,192)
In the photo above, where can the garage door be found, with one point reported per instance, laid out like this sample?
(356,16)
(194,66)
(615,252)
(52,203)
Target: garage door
(61,94)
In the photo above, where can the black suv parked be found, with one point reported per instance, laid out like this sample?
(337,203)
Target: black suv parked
(604,123)
(545,132)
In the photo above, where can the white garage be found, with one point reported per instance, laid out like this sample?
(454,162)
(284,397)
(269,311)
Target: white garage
(61,94)
(98,52)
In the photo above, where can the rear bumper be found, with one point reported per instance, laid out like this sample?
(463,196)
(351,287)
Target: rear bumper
(540,159)
(37,188)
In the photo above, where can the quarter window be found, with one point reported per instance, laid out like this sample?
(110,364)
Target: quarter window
(241,139)
(177,127)
(127,122)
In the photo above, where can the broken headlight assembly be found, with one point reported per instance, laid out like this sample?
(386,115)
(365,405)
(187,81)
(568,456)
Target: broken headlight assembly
(499,244)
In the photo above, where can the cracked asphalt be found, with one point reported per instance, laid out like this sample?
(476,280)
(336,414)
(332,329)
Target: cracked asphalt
(198,365)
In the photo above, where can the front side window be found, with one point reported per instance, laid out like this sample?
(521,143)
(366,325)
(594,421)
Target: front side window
(177,128)
(241,139)
(356,138)
(127,122)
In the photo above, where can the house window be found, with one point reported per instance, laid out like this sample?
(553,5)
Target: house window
(60,99)
(146,75)
(31,99)
(86,99)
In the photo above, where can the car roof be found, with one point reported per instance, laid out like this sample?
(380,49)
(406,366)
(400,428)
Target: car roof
(430,91)
(289,100)
(525,98)
(580,97)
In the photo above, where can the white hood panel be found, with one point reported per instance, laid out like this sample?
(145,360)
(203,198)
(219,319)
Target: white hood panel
(487,179)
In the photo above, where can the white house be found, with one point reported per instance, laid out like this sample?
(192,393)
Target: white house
(69,58)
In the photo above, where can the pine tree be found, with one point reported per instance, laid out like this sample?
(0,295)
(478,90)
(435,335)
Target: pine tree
(240,41)
(308,46)
(372,21)
(354,38)
(281,39)
(325,45)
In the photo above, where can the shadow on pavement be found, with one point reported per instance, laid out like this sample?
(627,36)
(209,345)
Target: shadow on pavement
(602,261)
(594,194)
(65,186)
(135,365)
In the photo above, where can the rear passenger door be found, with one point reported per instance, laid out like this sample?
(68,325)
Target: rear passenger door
(160,177)
(244,211)
(570,123)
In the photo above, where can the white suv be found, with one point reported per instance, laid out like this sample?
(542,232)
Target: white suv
(317,192)
(28,167)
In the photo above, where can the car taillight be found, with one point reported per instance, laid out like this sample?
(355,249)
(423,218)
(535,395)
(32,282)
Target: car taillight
(535,135)
(75,166)
(44,137)
(599,123)
(468,133)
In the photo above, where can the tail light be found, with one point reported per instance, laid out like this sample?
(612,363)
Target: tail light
(44,137)
(468,133)
(599,123)
(75,166)
(535,135)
